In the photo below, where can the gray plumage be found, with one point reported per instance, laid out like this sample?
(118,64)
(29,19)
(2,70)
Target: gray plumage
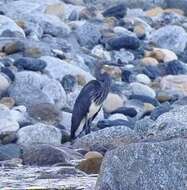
(89,103)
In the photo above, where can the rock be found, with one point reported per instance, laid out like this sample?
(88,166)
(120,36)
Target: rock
(44,155)
(178,114)
(148,107)
(128,42)
(90,165)
(163,96)
(141,89)
(99,51)
(13,47)
(88,35)
(33,52)
(8,25)
(154,12)
(151,71)
(170,37)
(93,154)
(117,116)
(150,61)
(113,102)
(174,68)
(68,82)
(4,84)
(131,112)
(174,84)
(26,89)
(30,64)
(9,151)
(123,56)
(138,160)
(113,71)
(143,79)
(8,124)
(66,121)
(127,75)
(160,110)
(117,11)
(140,31)
(7,101)
(109,138)
(39,134)
(163,55)
(58,69)
(19,113)
(182,5)
(45,113)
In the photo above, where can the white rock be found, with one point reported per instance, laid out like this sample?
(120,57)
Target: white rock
(101,53)
(118,116)
(8,24)
(4,84)
(143,79)
(141,89)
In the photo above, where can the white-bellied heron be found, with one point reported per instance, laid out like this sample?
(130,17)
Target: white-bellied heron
(88,103)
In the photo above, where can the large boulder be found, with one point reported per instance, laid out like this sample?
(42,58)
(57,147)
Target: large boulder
(145,166)
(170,37)
(109,138)
(39,134)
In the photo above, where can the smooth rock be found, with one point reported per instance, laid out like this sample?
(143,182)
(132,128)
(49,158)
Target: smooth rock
(117,116)
(13,47)
(151,71)
(39,134)
(175,84)
(30,64)
(123,56)
(99,51)
(113,102)
(143,79)
(141,89)
(131,112)
(7,25)
(150,61)
(7,101)
(170,37)
(145,166)
(9,151)
(68,82)
(128,42)
(117,11)
(4,84)
(93,154)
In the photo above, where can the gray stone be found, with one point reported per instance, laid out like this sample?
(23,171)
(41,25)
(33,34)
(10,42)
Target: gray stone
(8,24)
(145,166)
(4,83)
(170,37)
(9,151)
(109,137)
(39,134)
(88,35)
(57,69)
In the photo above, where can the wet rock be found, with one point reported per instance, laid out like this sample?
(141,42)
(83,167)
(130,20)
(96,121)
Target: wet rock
(152,72)
(126,75)
(117,11)
(9,151)
(88,34)
(141,89)
(8,25)
(108,137)
(112,102)
(175,84)
(127,42)
(30,64)
(8,72)
(13,47)
(4,84)
(131,112)
(165,154)
(170,37)
(39,134)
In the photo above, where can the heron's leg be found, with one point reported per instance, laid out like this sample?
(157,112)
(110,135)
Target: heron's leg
(88,130)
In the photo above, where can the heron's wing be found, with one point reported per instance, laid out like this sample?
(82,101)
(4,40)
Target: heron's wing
(82,104)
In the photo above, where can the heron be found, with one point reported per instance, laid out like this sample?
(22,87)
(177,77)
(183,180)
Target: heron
(88,104)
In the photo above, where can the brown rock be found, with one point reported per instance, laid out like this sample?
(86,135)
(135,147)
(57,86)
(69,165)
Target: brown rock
(149,61)
(81,80)
(33,52)
(114,72)
(55,9)
(154,12)
(139,30)
(148,107)
(21,24)
(93,154)
(13,47)
(112,102)
(8,101)
(163,96)
(90,165)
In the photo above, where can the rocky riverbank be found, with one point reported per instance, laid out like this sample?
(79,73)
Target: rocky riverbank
(49,50)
